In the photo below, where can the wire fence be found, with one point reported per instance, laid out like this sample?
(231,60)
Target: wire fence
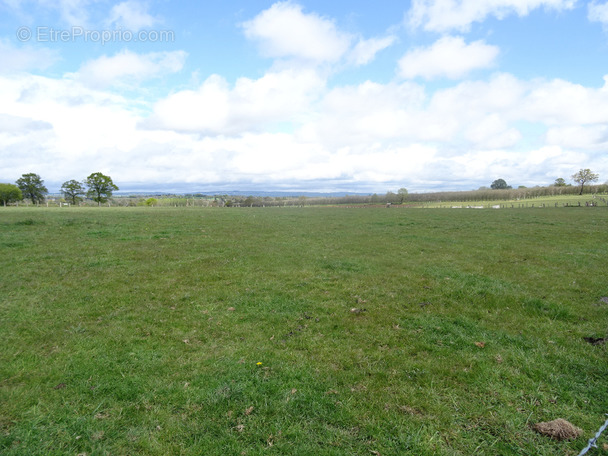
(593,442)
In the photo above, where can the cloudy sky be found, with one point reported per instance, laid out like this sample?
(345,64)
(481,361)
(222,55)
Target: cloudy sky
(303,95)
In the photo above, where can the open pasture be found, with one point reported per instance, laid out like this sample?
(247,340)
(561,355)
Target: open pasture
(300,331)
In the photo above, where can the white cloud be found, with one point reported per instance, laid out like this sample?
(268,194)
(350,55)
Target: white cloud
(73,12)
(478,115)
(553,161)
(560,102)
(291,127)
(25,58)
(78,123)
(365,50)
(539,166)
(449,56)
(492,132)
(202,110)
(367,113)
(597,12)
(579,136)
(127,67)
(284,30)
(132,15)
(447,15)
(501,94)
(217,108)
(366,136)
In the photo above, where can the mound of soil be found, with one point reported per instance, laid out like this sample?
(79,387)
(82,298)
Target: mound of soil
(558,429)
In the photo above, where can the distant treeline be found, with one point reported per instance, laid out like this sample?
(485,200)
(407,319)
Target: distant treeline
(483,194)
(506,194)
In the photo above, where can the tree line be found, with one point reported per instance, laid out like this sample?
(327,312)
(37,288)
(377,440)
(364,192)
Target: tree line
(96,186)
(581,177)
(99,187)
(499,190)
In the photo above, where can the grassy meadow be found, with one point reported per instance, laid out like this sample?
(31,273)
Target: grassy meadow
(300,331)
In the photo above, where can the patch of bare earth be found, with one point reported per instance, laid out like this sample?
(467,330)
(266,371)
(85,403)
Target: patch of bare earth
(558,429)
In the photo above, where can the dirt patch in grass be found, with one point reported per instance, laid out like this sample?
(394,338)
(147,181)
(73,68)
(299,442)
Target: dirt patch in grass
(558,429)
(595,340)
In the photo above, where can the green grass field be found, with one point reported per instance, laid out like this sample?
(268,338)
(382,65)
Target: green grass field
(300,331)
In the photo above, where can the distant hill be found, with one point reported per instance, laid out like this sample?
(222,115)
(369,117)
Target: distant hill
(259,193)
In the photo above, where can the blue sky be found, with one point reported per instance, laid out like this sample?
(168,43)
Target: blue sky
(312,96)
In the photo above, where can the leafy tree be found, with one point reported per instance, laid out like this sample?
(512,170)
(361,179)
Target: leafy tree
(499,184)
(32,187)
(151,202)
(560,182)
(402,192)
(73,191)
(10,193)
(583,176)
(100,187)
(250,201)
